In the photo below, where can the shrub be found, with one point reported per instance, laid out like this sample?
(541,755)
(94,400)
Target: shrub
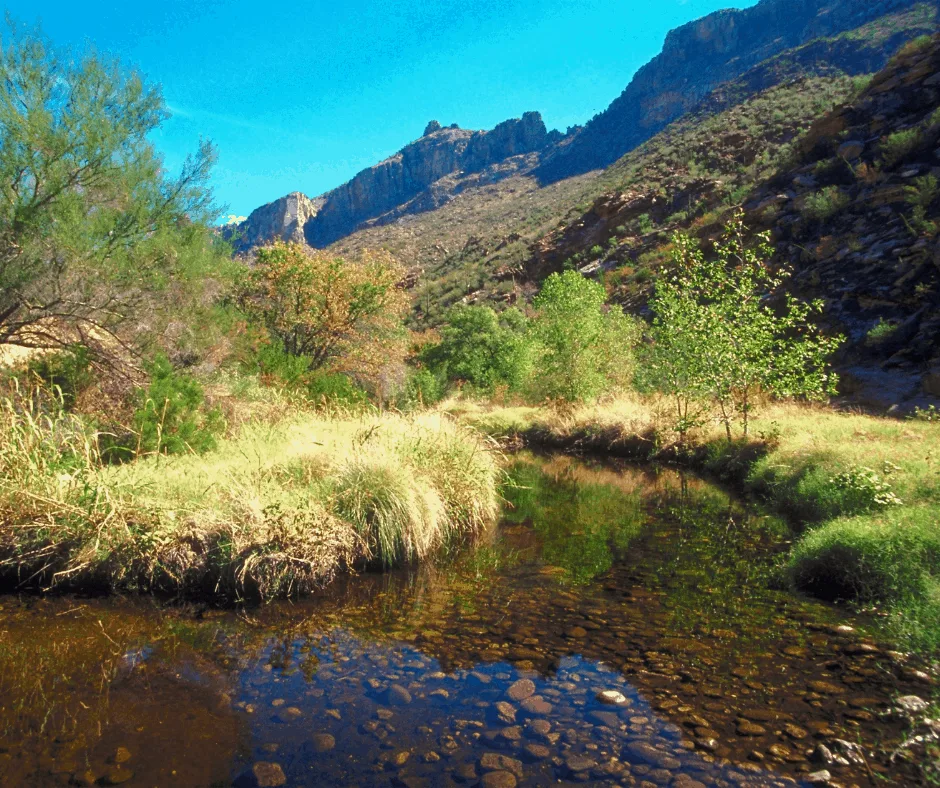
(716,340)
(172,417)
(69,371)
(824,204)
(481,349)
(899,145)
(579,349)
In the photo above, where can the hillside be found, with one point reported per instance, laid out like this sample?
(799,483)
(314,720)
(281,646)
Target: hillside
(695,59)
(502,169)
(851,204)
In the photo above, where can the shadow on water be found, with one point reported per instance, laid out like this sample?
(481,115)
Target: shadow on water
(619,627)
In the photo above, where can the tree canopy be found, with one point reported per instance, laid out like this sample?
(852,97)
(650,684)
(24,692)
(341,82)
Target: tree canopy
(90,223)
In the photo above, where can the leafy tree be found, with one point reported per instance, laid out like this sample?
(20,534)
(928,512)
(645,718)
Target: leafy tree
(580,347)
(338,316)
(90,225)
(718,340)
(480,348)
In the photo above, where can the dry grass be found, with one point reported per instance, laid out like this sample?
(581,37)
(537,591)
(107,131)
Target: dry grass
(277,509)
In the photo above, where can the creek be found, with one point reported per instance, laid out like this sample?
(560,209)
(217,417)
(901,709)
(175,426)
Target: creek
(620,626)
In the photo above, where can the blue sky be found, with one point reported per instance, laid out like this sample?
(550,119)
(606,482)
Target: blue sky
(301,96)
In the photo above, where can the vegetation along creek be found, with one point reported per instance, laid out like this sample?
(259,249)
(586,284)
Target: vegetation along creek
(517,457)
(619,626)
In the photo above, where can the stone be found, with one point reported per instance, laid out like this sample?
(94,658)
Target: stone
(576,633)
(536,752)
(120,775)
(821,777)
(912,704)
(399,758)
(268,774)
(795,731)
(612,698)
(822,754)
(647,753)
(520,690)
(323,742)
(121,755)
(748,728)
(494,762)
(537,705)
(397,695)
(825,688)
(498,779)
(850,150)
(579,763)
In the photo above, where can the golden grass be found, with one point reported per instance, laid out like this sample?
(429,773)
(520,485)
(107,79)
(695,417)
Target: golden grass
(275,509)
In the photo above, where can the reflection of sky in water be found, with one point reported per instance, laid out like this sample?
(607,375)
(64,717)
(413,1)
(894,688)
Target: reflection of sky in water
(432,728)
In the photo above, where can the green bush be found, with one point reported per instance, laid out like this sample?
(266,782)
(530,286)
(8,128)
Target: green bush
(891,559)
(422,388)
(69,371)
(334,388)
(898,146)
(480,349)
(824,204)
(580,347)
(172,417)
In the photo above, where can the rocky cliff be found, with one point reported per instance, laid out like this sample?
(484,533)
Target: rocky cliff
(695,59)
(405,181)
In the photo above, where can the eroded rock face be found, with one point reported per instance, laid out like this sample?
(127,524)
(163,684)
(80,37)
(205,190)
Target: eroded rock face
(283,220)
(421,176)
(416,168)
(696,57)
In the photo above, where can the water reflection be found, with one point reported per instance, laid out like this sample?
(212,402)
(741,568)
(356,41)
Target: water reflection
(486,669)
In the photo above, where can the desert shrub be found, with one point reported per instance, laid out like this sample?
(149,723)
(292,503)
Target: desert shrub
(880,333)
(899,145)
(824,204)
(422,388)
(480,349)
(717,343)
(69,371)
(172,417)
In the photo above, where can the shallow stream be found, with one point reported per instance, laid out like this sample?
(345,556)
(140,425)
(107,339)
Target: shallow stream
(619,627)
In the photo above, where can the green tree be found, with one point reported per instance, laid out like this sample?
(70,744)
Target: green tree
(581,348)
(718,339)
(480,348)
(89,222)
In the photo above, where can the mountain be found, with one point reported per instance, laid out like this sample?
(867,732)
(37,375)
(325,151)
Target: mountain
(695,59)
(412,180)
(852,204)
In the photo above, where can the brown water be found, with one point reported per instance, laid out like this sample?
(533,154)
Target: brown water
(487,670)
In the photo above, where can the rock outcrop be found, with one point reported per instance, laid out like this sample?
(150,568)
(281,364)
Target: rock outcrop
(283,219)
(695,59)
(405,181)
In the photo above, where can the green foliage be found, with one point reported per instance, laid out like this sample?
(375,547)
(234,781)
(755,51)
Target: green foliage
(171,417)
(481,349)
(69,371)
(864,490)
(920,196)
(880,333)
(334,388)
(422,388)
(930,413)
(91,229)
(824,204)
(898,146)
(580,349)
(718,343)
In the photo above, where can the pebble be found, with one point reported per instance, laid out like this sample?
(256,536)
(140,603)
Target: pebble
(536,705)
(397,695)
(536,752)
(498,779)
(323,742)
(521,689)
(821,777)
(117,776)
(268,774)
(493,761)
(612,698)
(748,728)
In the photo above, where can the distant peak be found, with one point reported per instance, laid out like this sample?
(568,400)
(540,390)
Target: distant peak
(431,128)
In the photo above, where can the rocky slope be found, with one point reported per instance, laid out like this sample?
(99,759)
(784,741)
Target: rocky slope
(412,180)
(699,56)
(853,205)
(770,43)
